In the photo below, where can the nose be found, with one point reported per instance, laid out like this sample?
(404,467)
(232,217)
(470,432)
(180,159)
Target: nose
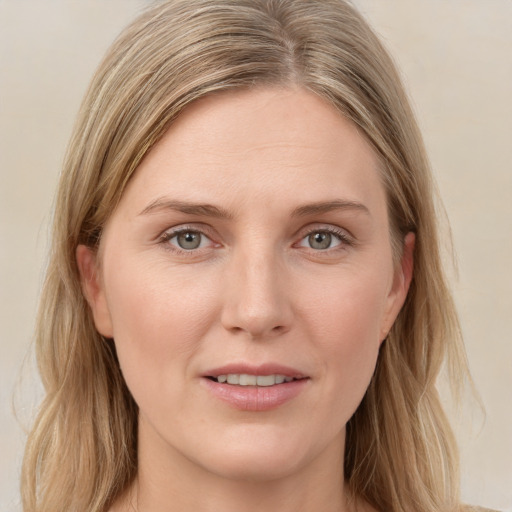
(256,299)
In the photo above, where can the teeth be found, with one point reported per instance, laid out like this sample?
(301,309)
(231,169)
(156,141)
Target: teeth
(265,380)
(233,379)
(247,380)
(244,379)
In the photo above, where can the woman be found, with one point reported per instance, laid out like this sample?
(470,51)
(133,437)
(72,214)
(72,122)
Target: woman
(245,294)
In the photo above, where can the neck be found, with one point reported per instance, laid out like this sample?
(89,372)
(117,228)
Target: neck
(169,482)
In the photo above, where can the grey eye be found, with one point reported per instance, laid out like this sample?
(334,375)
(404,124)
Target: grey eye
(320,240)
(188,240)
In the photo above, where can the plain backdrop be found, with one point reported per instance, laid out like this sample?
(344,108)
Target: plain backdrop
(456,58)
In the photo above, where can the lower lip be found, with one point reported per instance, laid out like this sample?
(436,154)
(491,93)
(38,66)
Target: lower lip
(256,398)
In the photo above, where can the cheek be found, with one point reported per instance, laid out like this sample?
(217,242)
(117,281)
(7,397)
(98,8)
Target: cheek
(346,321)
(348,306)
(158,322)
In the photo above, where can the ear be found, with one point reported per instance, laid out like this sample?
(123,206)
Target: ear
(93,289)
(401,282)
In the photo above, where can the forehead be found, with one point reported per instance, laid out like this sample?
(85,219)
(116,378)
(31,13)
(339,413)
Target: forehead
(279,143)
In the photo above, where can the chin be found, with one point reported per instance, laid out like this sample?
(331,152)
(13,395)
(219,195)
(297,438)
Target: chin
(263,467)
(258,457)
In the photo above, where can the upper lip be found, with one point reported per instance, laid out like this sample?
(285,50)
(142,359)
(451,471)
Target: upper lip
(251,369)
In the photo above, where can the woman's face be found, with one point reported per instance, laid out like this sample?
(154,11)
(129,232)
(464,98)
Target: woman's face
(252,246)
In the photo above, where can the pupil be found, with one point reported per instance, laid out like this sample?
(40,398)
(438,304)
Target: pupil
(189,240)
(320,240)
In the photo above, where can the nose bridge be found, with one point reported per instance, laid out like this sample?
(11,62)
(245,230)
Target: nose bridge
(256,300)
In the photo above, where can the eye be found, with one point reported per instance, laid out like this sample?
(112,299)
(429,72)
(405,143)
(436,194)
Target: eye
(323,239)
(186,239)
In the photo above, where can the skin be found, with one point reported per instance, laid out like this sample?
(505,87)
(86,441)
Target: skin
(258,289)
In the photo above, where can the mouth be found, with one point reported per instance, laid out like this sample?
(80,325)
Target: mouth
(255,388)
(245,379)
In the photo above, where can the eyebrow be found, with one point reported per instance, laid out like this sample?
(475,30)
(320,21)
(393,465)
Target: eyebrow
(328,206)
(200,209)
(209,210)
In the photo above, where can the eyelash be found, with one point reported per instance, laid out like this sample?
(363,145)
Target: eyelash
(344,239)
(167,236)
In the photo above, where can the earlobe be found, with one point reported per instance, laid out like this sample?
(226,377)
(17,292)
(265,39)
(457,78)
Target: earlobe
(401,283)
(93,289)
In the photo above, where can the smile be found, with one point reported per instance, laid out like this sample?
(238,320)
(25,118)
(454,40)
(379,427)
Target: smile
(255,388)
(244,379)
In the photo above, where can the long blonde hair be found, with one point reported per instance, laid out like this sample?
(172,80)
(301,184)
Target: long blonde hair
(82,451)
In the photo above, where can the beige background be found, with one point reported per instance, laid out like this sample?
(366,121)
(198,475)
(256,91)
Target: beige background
(456,56)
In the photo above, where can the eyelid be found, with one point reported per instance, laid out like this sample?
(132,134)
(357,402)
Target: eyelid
(167,235)
(345,237)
